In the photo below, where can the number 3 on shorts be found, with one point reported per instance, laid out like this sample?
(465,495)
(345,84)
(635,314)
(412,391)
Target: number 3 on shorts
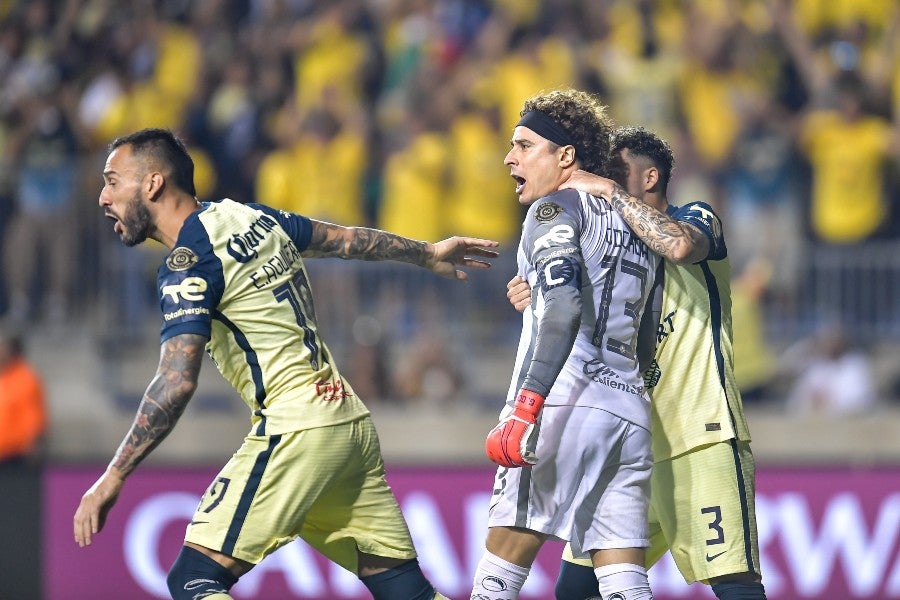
(715,525)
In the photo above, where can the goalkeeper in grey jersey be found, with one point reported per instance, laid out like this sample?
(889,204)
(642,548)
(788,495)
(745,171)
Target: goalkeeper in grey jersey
(573,442)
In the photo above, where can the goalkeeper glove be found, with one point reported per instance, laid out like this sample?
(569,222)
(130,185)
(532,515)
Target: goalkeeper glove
(506,443)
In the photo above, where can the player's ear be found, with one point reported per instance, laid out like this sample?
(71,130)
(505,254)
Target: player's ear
(651,178)
(566,156)
(155,182)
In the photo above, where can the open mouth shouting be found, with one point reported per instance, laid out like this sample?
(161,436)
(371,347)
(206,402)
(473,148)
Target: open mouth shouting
(520,184)
(117,226)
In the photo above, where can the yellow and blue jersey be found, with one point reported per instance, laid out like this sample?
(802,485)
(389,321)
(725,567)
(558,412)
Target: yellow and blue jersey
(236,276)
(695,398)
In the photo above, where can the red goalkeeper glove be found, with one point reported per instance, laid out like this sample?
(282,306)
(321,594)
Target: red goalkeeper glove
(505,444)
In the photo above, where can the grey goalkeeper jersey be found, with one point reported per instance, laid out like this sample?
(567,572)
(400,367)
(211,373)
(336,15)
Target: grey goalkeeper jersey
(590,278)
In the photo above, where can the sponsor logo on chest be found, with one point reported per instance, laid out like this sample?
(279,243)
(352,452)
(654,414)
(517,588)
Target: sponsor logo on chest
(242,246)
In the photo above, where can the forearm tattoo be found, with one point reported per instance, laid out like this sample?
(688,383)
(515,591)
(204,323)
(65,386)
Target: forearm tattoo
(364,243)
(164,401)
(664,235)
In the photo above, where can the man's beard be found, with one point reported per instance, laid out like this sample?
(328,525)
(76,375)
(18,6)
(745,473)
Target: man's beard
(137,223)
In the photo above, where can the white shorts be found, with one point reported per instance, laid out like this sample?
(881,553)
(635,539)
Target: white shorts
(590,487)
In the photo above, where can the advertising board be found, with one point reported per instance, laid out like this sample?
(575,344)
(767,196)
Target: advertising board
(824,533)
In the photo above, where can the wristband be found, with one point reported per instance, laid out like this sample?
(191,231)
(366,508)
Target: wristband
(528,401)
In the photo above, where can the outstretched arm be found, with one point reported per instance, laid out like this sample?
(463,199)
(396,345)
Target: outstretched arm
(162,405)
(330,240)
(674,240)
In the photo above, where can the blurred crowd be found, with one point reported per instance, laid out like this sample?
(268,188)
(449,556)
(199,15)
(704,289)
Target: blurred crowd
(397,114)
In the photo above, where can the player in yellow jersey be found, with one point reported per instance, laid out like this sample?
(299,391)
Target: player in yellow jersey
(234,285)
(702,485)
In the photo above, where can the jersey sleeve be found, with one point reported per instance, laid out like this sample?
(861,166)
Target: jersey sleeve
(551,237)
(298,227)
(703,217)
(190,283)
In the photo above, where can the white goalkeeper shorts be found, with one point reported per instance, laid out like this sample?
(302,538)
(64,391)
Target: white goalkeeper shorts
(590,486)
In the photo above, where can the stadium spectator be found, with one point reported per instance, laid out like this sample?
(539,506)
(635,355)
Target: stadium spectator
(845,138)
(516,63)
(23,416)
(762,181)
(274,177)
(158,64)
(712,82)
(233,119)
(755,360)
(832,377)
(332,55)
(410,40)
(481,201)
(415,176)
(639,62)
(479,188)
(848,142)
(44,147)
(23,428)
(428,375)
(234,284)
(336,130)
(583,472)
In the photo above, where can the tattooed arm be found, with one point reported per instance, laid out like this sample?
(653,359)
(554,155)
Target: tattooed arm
(162,405)
(677,241)
(374,244)
(674,240)
(164,401)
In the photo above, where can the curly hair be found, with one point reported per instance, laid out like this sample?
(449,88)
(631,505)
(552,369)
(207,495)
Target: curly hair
(641,142)
(584,118)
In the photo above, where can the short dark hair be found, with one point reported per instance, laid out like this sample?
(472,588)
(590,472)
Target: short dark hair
(583,117)
(167,150)
(641,142)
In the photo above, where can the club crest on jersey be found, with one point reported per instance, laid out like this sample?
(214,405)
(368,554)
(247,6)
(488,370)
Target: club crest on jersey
(181,259)
(547,211)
